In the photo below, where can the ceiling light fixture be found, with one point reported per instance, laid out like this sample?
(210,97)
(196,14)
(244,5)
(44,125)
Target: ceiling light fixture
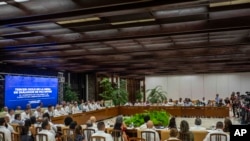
(134,21)
(21,0)
(2,3)
(79,20)
(225,3)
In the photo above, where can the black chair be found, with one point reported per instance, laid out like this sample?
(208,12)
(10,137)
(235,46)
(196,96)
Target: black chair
(218,137)
(88,133)
(117,135)
(148,135)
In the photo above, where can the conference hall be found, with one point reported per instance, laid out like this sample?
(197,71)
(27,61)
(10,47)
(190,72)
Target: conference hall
(124,70)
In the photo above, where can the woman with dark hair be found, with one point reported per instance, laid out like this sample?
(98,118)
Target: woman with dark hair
(172,123)
(26,134)
(185,134)
(68,120)
(227,125)
(79,136)
(120,126)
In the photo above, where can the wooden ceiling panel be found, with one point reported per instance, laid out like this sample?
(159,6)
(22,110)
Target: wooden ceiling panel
(133,38)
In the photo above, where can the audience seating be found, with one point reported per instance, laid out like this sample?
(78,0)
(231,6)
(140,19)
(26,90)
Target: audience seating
(117,135)
(218,137)
(88,132)
(2,137)
(97,138)
(41,137)
(15,136)
(164,134)
(38,129)
(136,139)
(198,135)
(67,134)
(147,135)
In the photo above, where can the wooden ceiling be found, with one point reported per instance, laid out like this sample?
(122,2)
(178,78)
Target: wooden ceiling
(127,37)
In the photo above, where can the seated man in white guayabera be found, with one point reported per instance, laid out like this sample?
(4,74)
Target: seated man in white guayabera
(197,123)
(4,130)
(38,113)
(46,130)
(59,111)
(50,110)
(101,132)
(75,109)
(150,127)
(25,114)
(219,129)
(85,107)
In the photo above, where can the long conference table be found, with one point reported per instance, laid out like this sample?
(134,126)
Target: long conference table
(178,111)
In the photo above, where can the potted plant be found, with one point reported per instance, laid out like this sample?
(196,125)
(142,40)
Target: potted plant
(117,93)
(156,95)
(158,117)
(69,94)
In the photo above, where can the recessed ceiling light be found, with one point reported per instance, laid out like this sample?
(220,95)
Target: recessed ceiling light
(3,3)
(134,21)
(21,0)
(79,20)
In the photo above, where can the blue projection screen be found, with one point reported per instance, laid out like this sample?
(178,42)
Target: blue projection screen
(23,90)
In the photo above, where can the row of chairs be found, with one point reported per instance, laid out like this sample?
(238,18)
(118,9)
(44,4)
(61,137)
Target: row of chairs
(116,134)
(101,138)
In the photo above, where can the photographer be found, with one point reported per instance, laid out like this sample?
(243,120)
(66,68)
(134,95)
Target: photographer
(245,108)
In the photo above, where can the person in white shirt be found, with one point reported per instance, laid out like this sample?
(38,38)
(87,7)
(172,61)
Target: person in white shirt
(97,105)
(46,130)
(171,102)
(25,114)
(197,123)
(11,114)
(219,129)
(9,126)
(18,120)
(59,111)
(65,107)
(203,101)
(75,108)
(101,132)
(53,128)
(180,102)
(93,121)
(7,133)
(146,118)
(91,106)
(38,113)
(85,107)
(5,110)
(150,127)
(50,111)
